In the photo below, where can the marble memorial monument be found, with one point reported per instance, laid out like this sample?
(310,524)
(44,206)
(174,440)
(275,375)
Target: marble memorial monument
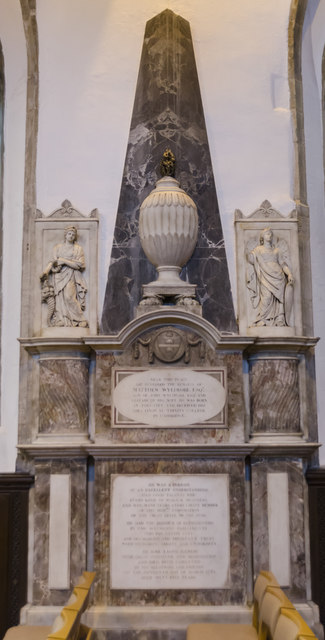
(168,446)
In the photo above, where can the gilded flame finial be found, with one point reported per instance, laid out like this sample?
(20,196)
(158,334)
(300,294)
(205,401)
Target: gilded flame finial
(167,164)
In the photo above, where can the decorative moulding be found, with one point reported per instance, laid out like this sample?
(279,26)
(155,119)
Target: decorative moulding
(298,449)
(268,274)
(161,318)
(57,309)
(154,617)
(63,346)
(67,210)
(264,212)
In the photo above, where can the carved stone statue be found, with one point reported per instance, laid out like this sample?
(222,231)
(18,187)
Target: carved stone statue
(63,287)
(270,281)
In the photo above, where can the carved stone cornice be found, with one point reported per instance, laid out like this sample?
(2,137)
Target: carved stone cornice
(290,344)
(218,340)
(162,317)
(38,346)
(172,451)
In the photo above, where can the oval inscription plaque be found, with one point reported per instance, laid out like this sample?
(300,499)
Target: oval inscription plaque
(169,397)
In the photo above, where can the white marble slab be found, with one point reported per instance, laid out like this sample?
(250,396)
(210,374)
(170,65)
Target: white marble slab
(169,397)
(278,524)
(170,532)
(59,533)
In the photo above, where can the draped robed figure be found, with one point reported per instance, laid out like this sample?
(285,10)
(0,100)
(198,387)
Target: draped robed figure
(64,287)
(270,283)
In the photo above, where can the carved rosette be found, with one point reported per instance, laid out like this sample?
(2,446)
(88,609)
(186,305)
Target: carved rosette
(168,229)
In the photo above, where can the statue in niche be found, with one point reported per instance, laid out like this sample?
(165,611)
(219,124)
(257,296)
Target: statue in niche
(270,281)
(63,286)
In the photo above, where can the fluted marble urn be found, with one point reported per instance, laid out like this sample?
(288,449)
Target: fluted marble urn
(168,229)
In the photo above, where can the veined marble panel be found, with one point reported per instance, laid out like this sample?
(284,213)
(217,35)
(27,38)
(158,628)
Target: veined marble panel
(275,401)
(63,396)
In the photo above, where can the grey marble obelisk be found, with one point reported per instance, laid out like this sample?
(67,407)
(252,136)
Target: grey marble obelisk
(168,112)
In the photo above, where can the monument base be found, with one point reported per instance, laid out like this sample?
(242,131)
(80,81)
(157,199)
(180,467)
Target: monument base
(158,623)
(153,306)
(166,291)
(157,295)
(169,289)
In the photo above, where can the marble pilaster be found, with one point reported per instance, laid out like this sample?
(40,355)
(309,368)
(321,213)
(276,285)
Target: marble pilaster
(296,482)
(42,595)
(63,396)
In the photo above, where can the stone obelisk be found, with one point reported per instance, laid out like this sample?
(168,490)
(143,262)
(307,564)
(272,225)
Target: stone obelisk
(168,112)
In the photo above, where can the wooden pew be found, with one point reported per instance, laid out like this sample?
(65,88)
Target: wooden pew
(274,618)
(227,631)
(67,625)
(291,626)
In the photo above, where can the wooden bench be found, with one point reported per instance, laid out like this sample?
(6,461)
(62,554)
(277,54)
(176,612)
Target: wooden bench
(274,618)
(67,625)
(291,626)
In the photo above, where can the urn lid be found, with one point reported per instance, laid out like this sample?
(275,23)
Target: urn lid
(167,192)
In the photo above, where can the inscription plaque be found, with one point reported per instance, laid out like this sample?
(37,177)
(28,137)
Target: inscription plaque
(169,397)
(170,532)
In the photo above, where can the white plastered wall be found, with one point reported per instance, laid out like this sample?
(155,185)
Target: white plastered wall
(89,61)
(14,50)
(312,53)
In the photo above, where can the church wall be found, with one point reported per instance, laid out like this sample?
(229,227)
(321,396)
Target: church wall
(88,70)
(88,74)
(74,437)
(14,51)
(312,53)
